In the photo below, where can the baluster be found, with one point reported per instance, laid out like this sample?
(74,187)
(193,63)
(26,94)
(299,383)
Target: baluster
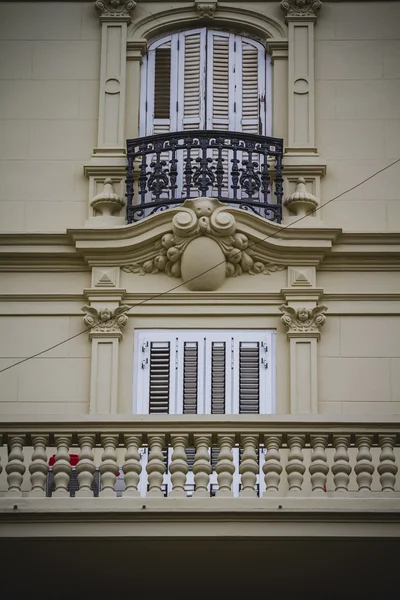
(109,466)
(1,445)
(341,469)
(85,467)
(155,466)
(225,467)
(15,468)
(249,465)
(295,468)
(278,184)
(129,185)
(62,466)
(132,467)
(387,468)
(235,169)
(173,172)
(188,171)
(202,467)
(364,467)
(272,467)
(179,467)
(39,467)
(318,467)
(143,174)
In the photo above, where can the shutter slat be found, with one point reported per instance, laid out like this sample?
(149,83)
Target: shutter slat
(160,357)
(249,378)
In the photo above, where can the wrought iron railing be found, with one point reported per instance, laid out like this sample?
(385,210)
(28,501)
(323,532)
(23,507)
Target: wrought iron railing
(244,170)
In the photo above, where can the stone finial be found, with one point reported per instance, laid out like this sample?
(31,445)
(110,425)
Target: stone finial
(107,203)
(301,202)
(303,321)
(301,8)
(206,9)
(115,8)
(106,320)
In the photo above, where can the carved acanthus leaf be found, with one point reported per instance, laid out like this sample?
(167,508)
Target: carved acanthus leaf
(301,8)
(115,8)
(203,217)
(303,320)
(105,320)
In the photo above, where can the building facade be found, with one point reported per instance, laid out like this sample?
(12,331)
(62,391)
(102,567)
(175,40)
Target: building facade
(199,215)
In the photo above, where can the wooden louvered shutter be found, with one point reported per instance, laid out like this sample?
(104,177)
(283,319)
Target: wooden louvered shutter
(251,91)
(249,378)
(191,80)
(220,80)
(159,379)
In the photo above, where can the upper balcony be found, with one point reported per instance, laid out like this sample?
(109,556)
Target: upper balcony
(244,170)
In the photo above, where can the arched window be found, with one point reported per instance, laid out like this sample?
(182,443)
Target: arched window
(205,79)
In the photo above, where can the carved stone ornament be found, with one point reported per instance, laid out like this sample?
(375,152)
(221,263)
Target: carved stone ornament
(115,8)
(301,8)
(206,9)
(207,219)
(301,202)
(107,203)
(106,320)
(303,321)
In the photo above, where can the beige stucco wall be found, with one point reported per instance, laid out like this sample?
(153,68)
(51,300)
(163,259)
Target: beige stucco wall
(49,96)
(49,70)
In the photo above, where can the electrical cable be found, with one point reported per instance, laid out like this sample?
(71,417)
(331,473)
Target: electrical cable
(316,209)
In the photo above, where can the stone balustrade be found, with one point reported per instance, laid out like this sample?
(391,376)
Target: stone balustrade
(213,457)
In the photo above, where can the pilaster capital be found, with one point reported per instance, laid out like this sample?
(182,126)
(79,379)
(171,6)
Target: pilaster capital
(105,322)
(111,10)
(301,8)
(303,321)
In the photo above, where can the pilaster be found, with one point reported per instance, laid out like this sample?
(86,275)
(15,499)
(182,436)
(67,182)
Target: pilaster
(303,319)
(278,50)
(301,18)
(106,317)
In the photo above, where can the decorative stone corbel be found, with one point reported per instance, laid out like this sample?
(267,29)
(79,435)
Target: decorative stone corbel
(303,331)
(106,325)
(301,8)
(108,205)
(207,8)
(203,248)
(301,202)
(115,8)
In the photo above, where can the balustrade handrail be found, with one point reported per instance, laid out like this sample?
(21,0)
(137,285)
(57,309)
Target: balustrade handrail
(180,165)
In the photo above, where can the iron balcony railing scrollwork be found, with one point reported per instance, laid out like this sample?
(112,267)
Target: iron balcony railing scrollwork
(242,169)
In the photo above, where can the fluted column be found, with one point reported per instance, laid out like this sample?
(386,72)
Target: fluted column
(249,467)
(109,466)
(272,468)
(62,465)
(364,467)
(179,467)
(132,467)
(387,468)
(318,467)
(15,467)
(39,467)
(225,467)
(85,467)
(341,469)
(202,467)
(295,468)
(155,467)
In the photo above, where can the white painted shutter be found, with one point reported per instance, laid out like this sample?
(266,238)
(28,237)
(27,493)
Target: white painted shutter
(251,91)
(191,80)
